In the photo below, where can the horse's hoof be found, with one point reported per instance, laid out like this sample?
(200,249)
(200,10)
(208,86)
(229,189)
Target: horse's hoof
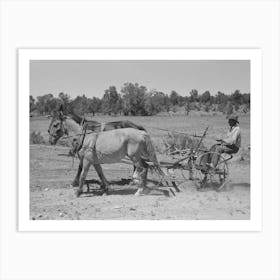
(74,184)
(134,182)
(78,193)
(139,192)
(105,191)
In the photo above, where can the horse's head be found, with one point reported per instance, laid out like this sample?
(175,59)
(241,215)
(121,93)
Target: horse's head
(57,127)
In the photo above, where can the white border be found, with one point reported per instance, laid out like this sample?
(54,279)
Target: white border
(254,55)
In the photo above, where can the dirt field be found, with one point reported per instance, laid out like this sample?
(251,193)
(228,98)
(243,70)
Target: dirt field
(52,198)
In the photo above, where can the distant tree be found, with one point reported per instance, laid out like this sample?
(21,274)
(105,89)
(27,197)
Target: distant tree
(149,105)
(181,100)
(174,98)
(119,105)
(187,108)
(236,97)
(246,102)
(46,104)
(94,105)
(167,103)
(154,102)
(65,100)
(220,98)
(193,95)
(111,101)
(80,105)
(205,97)
(246,98)
(31,103)
(133,97)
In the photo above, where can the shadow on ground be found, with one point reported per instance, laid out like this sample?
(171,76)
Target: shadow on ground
(94,188)
(245,185)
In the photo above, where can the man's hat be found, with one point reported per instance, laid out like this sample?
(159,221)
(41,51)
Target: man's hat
(233,117)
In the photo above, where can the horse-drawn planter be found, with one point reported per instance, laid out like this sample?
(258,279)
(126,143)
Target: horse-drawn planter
(195,164)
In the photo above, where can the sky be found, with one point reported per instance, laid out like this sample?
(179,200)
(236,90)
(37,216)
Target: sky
(93,77)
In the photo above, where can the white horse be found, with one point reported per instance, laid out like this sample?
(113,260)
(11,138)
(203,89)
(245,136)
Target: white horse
(72,131)
(111,147)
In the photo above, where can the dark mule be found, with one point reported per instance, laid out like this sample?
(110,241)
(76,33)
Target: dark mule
(98,127)
(59,125)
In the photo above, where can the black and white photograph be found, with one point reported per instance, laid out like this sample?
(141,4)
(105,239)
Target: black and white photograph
(140,139)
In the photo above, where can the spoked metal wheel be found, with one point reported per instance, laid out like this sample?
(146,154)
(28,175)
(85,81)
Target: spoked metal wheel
(208,175)
(182,165)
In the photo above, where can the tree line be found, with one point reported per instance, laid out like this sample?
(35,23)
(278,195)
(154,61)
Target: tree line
(134,99)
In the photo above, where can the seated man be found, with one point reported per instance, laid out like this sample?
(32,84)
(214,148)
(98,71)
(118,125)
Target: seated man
(230,144)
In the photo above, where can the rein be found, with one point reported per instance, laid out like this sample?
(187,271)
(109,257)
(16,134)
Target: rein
(178,132)
(84,124)
(79,134)
(78,145)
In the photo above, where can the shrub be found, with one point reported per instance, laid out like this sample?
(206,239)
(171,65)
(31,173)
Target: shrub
(36,138)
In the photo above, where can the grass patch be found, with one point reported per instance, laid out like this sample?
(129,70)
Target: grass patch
(180,141)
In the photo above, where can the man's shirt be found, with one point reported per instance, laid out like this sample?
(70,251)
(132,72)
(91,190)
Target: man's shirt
(233,136)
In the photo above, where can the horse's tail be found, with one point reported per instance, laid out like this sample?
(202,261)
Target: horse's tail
(151,155)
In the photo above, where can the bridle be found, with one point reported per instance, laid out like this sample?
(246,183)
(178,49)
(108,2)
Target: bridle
(64,131)
(78,145)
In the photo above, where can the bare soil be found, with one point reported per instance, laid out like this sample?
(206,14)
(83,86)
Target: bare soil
(51,196)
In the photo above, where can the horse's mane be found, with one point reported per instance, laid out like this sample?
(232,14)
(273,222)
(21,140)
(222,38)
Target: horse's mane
(72,125)
(128,124)
(75,117)
(80,120)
